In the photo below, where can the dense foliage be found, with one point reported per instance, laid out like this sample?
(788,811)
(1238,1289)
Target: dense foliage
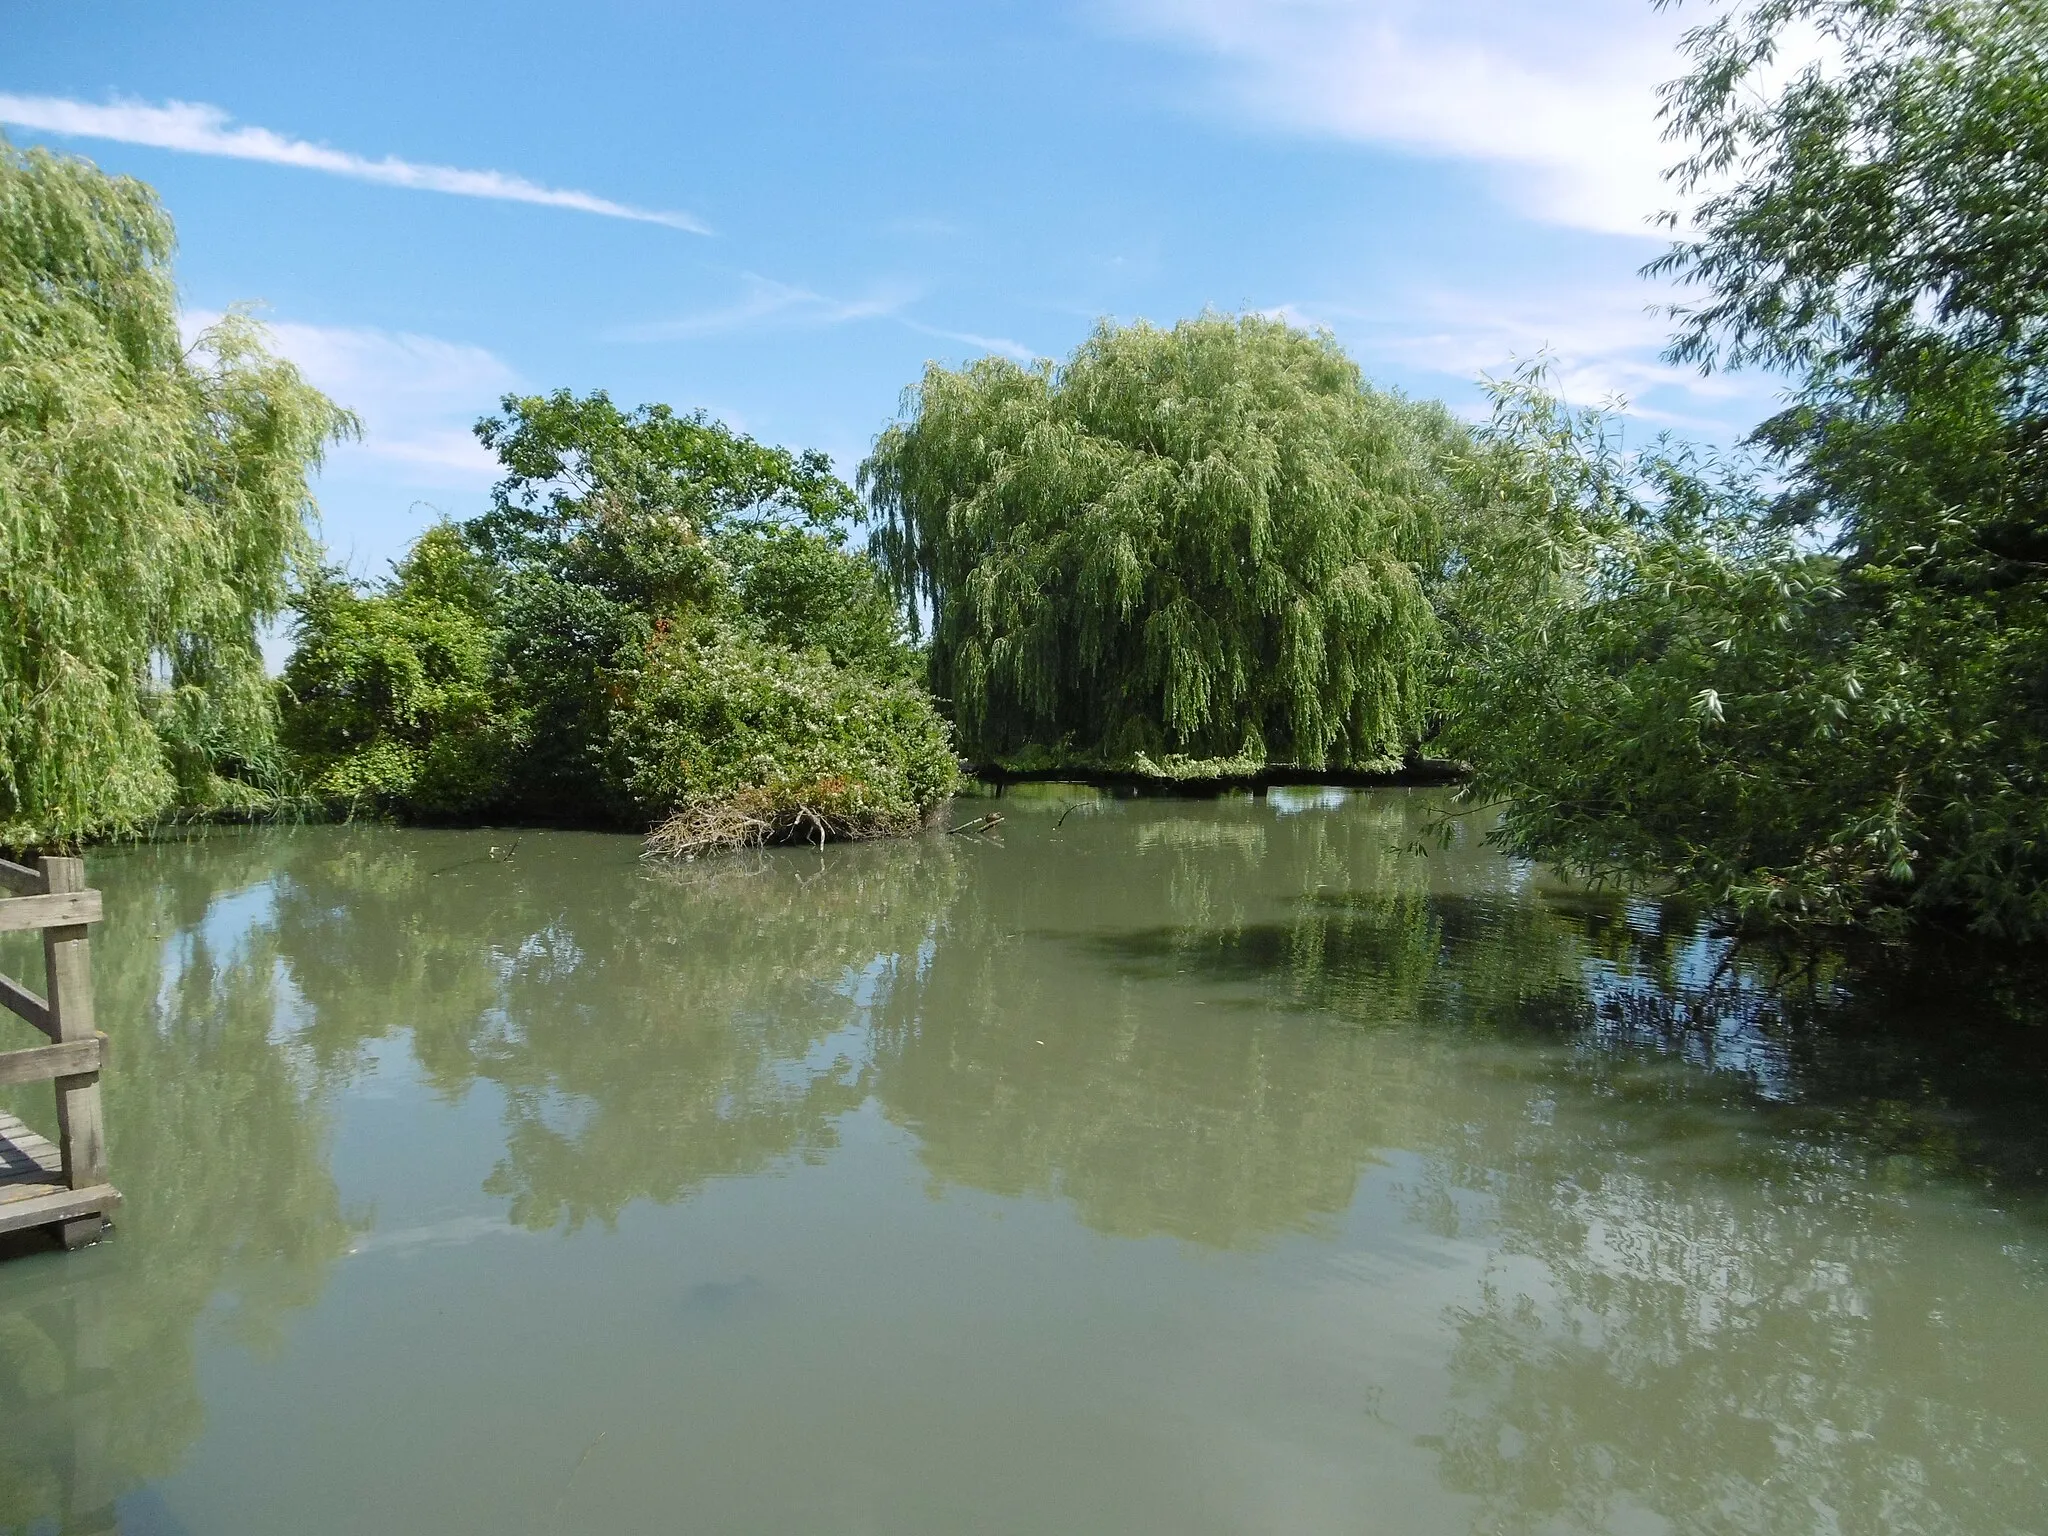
(1828,700)
(1657,680)
(1204,542)
(153,506)
(657,618)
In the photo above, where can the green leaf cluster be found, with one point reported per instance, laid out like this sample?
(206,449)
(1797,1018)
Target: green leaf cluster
(1660,682)
(1206,542)
(656,614)
(153,507)
(1814,685)
(390,695)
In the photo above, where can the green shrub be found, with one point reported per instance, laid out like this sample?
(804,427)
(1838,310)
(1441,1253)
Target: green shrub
(656,617)
(390,701)
(1814,688)
(733,742)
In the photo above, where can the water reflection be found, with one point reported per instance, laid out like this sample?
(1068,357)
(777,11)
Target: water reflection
(1060,1040)
(1761,1232)
(649,1030)
(232,1216)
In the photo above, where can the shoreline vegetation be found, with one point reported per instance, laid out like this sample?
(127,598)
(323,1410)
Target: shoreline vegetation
(1800,681)
(1213,776)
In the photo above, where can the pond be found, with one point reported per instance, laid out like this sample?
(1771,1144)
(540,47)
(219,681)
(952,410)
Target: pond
(1244,1165)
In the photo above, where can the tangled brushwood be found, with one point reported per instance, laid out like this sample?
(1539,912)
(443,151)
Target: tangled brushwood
(749,744)
(821,811)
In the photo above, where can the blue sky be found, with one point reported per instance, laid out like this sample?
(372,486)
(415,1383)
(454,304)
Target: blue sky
(780,212)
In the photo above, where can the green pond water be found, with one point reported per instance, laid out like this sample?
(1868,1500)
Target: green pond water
(1148,1166)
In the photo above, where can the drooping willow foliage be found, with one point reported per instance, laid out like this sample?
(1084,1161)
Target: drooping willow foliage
(1203,542)
(152,505)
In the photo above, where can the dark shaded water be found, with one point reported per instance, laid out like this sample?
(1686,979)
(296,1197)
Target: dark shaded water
(1175,1167)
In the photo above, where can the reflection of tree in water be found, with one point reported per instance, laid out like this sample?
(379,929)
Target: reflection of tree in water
(1755,1304)
(1174,1098)
(650,1030)
(222,1153)
(1731,1283)
(1728,1282)
(1768,1363)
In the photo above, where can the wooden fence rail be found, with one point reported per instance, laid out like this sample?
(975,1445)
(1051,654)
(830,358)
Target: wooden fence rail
(62,1186)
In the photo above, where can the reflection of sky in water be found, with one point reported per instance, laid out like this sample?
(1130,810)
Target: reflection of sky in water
(1291,800)
(222,934)
(1197,1167)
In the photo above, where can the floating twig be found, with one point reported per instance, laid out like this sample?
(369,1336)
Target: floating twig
(562,1498)
(979,824)
(489,856)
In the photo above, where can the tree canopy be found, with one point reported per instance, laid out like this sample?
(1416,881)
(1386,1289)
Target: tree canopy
(1204,542)
(656,617)
(1817,685)
(153,506)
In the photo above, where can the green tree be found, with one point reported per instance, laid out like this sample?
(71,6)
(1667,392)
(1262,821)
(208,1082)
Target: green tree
(153,507)
(1829,701)
(657,616)
(1656,681)
(1882,244)
(1203,542)
(612,528)
(392,703)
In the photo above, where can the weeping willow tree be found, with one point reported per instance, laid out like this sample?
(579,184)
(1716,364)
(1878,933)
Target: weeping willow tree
(153,504)
(1192,545)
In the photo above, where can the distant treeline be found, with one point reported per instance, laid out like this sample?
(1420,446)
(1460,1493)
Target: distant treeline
(1806,681)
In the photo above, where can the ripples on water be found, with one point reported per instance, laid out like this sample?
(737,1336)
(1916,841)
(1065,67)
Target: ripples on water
(1157,1166)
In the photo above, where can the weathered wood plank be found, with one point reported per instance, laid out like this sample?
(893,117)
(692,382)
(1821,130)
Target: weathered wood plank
(28,1190)
(16,1130)
(17,998)
(67,955)
(59,909)
(45,1063)
(26,1156)
(59,1205)
(20,879)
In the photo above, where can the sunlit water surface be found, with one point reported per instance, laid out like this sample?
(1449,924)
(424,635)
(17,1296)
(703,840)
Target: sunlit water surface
(1150,1166)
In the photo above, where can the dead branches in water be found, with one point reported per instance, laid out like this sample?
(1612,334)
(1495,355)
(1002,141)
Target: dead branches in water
(758,816)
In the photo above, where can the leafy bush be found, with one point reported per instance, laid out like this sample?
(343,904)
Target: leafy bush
(1828,701)
(392,703)
(656,616)
(740,742)
(1665,687)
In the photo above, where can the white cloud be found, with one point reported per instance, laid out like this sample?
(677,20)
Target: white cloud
(765,302)
(1002,344)
(416,395)
(1602,344)
(198,129)
(1557,98)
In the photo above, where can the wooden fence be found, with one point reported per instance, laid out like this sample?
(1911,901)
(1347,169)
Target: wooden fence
(63,1186)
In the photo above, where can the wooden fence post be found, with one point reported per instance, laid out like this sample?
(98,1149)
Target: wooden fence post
(81,1130)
